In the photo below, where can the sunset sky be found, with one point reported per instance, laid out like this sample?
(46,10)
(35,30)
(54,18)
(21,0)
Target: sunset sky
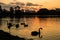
(45,3)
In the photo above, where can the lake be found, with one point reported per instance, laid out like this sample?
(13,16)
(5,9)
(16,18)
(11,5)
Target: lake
(50,31)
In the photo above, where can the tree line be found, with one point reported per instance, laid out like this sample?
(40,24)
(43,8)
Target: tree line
(16,12)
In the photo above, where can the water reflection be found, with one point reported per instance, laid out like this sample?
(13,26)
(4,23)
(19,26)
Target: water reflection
(51,27)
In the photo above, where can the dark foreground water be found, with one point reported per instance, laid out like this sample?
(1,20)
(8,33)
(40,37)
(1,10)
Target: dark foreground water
(50,31)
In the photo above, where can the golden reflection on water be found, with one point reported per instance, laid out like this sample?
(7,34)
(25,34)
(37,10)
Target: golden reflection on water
(51,27)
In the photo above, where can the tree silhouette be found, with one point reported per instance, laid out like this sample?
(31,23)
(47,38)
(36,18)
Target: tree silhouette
(43,11)
(11,12)
(0,8)
(0,11)
(17,12)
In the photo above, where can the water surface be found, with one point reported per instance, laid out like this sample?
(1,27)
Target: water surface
(51,27)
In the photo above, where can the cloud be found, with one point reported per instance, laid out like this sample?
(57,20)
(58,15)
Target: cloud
(18,3)
(2,3)
(4,6)
(31,4)
(7,6)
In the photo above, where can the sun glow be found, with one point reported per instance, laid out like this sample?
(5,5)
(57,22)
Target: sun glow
(46,3)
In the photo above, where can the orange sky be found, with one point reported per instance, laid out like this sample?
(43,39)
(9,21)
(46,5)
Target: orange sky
(45,3)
